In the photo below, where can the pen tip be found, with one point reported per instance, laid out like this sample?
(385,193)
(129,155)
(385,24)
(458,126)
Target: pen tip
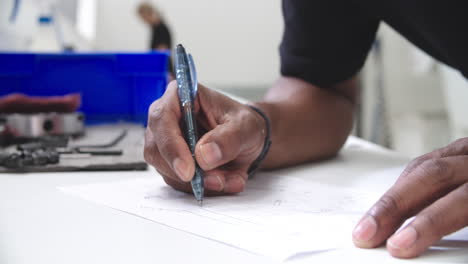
(200,202)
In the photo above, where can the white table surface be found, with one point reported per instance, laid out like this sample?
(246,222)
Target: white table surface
(40,224)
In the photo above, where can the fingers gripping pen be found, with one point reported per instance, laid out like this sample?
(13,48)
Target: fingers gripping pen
(187,86)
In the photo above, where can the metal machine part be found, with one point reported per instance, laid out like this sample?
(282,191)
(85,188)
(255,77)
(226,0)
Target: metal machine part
(27,158)
(47,150)
(43,124)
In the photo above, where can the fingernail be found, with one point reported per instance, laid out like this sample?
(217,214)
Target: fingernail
(214,182)
(234,185)
(181,168)
(211,154)
(365,230)
(404,239)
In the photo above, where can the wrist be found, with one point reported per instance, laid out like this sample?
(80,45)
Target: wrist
(266,137)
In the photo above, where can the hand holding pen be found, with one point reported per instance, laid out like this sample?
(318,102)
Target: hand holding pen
(233,137)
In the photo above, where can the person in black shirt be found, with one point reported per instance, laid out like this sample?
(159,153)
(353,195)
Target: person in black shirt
(311,108)
(160,34)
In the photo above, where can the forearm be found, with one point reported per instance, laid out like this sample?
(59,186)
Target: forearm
(308,123)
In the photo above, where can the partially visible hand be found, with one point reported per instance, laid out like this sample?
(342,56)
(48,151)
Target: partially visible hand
(434,188)
(232,136)
(19,103)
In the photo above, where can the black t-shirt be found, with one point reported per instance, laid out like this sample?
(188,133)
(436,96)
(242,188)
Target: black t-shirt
(327,41)
(160,35)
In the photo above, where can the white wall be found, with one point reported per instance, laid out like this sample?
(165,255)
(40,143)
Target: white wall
(67,9)
(456,95)
(234,43)
(415,111)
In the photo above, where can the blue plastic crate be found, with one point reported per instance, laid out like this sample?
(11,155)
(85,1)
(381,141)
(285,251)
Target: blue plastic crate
(113,87)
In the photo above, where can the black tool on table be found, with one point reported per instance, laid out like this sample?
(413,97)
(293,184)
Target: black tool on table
(47,150)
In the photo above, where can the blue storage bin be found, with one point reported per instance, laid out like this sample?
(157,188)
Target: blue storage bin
(113,87)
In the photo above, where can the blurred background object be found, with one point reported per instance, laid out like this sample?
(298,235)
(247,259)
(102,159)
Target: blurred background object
(161,39)
(423,99)
(235,43)
(47,50)
(41,25)
(160,34)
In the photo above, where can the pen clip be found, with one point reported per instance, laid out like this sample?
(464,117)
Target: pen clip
(193,75)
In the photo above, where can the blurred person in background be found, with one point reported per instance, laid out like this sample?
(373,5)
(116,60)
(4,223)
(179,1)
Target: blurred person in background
(161,39)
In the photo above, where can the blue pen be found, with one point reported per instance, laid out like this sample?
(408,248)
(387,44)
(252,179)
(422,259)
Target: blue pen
(187,85)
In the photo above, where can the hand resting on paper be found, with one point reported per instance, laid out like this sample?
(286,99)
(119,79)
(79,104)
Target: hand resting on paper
(231,138)
(434,189)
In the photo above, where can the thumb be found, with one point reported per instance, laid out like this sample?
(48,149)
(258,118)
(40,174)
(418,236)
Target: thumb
(240,139)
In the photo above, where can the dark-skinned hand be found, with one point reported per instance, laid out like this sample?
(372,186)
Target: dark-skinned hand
(434,189)
(231,138)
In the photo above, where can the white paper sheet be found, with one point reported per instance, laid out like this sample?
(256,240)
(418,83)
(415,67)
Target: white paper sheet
(276,217)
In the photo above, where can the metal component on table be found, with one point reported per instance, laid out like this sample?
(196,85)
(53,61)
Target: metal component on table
(187,84)
(114,142)
(46,142)
(48,149)
(42,124)
(117,152)
(91,152)
(97,150)
(38,157)
(29,156)
(40,152)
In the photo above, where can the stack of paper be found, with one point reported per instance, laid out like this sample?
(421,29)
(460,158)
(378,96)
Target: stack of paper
(277,217)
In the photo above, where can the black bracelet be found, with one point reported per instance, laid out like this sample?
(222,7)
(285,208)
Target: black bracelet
(266,147)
